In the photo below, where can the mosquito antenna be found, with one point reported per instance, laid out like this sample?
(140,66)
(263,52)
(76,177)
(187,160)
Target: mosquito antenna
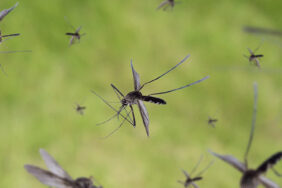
(196,166)
(198,81)
(115,130)
(116,90)
(110,105)
(68,22)
(207,167)
(253,124)
(182,61)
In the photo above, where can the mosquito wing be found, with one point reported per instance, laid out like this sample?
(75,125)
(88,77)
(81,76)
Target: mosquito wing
(271,161)
(162,4)
(195,185)
(185,173)
(47,177)
(72,40)
(53,166)
(257,62)
(136,78)
(78,29)
(144,115)
(231,160)
(268,183)
(4,12)
(251,52)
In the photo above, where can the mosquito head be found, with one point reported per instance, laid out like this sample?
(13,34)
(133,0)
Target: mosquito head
(124,102)
(83,183)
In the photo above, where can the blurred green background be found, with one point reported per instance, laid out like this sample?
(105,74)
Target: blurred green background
(39,94)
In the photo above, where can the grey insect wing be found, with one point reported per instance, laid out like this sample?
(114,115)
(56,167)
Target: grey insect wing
(165,4)
(5,12)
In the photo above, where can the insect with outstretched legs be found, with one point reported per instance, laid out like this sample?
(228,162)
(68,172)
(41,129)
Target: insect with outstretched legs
(254,57)
(7,36)
(136,97)
(191,181)
(212,121)
(57,176)
(253,177)
(80,109)
(74,35)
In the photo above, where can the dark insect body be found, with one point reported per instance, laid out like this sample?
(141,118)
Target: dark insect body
(254,57)
(212,121)
(9,35)
(57,176)
(80,109)
(252,178)
(136,97)
(191,181)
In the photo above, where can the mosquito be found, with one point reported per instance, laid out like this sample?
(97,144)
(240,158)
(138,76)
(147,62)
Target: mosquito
(80,109)
(57,176)
(76,35)
(191,181)
(212,121)
(9,35)
(136,97)
(165,4)
(251,178)
(254,57)
(5,12)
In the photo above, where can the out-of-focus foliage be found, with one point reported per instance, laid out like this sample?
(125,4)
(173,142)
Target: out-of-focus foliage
(37,98)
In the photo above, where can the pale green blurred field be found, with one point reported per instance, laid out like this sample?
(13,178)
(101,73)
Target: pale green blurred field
(38,95)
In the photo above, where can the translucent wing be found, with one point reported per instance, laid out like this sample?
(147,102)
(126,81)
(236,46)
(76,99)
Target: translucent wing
(72,40)
(7,11)
(47,177)
(267,183)
(251,52)
(195,185)
(231,160)
(136,78)
(78,29)
(185,173)
(162,4)
(257,62)
(53,166)
(144,115)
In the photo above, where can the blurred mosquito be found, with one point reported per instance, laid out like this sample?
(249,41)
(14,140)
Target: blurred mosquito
(136,97)
(212,121)
(191,181)
(166,4)
(74,35)
(253,177)
(57,176)
(9,35)
(5,12)
(260,30)
(80,109)
(254,57)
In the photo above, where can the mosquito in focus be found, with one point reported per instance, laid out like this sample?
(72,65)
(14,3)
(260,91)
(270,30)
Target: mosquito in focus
(7,36)
(136,97)
(5,12)
(191,181)
(251,178)
(212,121)
(75,36)
(57,176)
(166,4)
(80,109)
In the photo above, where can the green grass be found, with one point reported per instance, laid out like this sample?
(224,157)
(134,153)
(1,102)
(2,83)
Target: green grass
(38,96)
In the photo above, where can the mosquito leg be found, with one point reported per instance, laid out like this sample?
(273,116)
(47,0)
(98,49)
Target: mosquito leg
(196,166)
(133,116)
(117,91)
(103,122)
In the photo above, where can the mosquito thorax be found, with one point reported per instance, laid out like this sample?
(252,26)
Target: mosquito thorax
(131,98)
(249,179)
(83,183)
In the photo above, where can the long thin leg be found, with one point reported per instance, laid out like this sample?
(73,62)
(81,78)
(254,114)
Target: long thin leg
(198,81)
(11,35)
(253,124)
(182,61)
(133,116)
(207,167)
(196,166)
(116,90)
(110,106)
(103,122)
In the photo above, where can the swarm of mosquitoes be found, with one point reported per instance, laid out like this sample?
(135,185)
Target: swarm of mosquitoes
(57,177)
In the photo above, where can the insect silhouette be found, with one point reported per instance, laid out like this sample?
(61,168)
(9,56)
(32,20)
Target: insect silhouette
(212,121)
(191,181)
(5,12)
(9,35)
(57,176)
(254,57)
(252,177)
(80,109)
(75,36)
(136,97)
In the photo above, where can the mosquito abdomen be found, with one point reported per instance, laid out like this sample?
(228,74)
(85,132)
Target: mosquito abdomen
(154,100)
